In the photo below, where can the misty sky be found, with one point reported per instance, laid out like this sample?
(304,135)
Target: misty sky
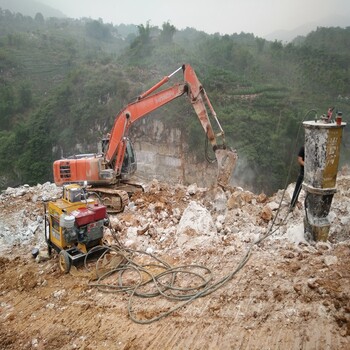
(260,17)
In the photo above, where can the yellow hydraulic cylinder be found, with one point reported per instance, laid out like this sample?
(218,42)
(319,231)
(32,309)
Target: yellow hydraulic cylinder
(322,152)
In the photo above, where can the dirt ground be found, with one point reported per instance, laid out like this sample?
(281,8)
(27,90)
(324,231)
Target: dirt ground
(289,295)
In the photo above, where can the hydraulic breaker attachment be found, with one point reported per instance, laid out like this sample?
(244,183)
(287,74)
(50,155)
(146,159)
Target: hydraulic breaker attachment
(226,159)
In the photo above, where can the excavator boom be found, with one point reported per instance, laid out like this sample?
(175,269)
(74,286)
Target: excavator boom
(131,113)
(150,101)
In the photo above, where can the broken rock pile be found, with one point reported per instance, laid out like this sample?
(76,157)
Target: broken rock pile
(179,218)
(288,284)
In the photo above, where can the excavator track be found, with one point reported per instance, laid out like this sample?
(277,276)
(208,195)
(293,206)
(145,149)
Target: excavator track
(114,200)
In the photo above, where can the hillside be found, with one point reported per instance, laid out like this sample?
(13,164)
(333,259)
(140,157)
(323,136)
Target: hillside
(30,8)
(64,80)
(226,268)
(285,36)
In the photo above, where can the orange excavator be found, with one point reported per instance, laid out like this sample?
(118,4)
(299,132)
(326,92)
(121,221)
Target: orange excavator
(107,174)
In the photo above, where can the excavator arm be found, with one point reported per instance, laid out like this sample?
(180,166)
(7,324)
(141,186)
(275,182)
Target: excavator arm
(152,100)
(129,115)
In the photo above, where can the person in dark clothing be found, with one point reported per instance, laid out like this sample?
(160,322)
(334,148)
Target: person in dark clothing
(300,178)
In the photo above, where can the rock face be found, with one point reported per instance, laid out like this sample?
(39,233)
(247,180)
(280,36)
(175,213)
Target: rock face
(163,154)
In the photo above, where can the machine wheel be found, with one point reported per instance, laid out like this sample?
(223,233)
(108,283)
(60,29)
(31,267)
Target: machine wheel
(64,261)
(49,250)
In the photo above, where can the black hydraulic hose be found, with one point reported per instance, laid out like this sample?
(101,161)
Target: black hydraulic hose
(168,289)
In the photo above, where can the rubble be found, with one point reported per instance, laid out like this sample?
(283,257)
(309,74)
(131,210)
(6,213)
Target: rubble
(287,281)
(166,212)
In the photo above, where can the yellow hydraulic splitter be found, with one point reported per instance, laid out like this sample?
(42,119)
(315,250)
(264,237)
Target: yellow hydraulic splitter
(74,224)
(322,152)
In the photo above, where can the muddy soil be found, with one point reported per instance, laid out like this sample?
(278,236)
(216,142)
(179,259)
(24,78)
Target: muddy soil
(288,295)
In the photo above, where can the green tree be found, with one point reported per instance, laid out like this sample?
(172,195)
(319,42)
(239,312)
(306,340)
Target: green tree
(167,33)
(142,45)
(39,18)
(144,34)
(260,43)
(25,96)
(98,30)
(7,106)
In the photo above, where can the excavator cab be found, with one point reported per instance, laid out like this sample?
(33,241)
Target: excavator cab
(129,163)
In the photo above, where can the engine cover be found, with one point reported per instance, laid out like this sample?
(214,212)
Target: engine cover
(91,213)
(83,216)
